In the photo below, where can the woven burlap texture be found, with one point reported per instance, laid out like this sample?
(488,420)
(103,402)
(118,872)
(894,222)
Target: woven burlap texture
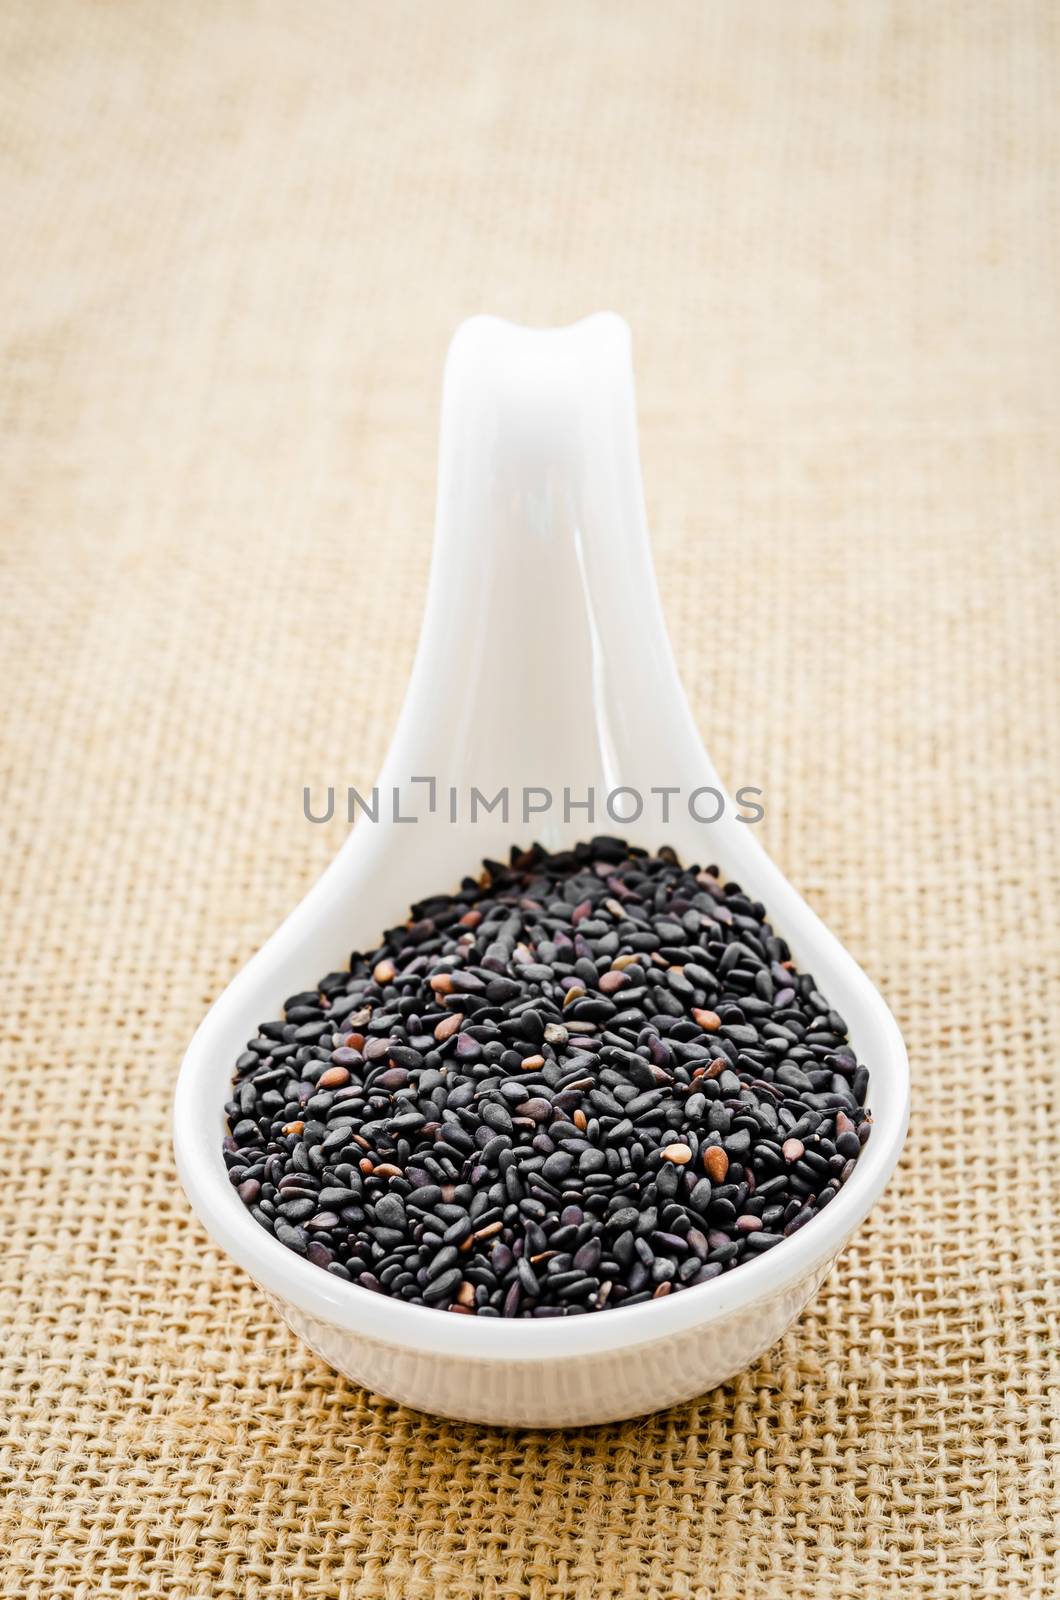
(236,240)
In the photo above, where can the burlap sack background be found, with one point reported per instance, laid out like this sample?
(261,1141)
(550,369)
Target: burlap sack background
(236,239)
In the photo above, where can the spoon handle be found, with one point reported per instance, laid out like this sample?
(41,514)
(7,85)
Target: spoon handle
(543,658)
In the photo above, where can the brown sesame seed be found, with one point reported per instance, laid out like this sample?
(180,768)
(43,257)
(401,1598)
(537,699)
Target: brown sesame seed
(333,1078)
(679,1154)
(716,1163)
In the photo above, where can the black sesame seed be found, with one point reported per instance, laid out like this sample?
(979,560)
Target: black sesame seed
(456,1125)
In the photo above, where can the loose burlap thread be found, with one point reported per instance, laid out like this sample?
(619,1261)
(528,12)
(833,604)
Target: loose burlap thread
(236,240)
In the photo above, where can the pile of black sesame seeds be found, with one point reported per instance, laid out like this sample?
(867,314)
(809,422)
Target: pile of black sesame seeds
(583,1081)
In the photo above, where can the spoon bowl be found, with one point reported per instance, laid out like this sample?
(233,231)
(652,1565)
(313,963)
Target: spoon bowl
(543,669)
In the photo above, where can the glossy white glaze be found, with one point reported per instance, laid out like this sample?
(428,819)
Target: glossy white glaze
(543,661)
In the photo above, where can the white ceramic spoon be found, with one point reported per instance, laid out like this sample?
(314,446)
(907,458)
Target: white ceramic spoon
(543,663)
